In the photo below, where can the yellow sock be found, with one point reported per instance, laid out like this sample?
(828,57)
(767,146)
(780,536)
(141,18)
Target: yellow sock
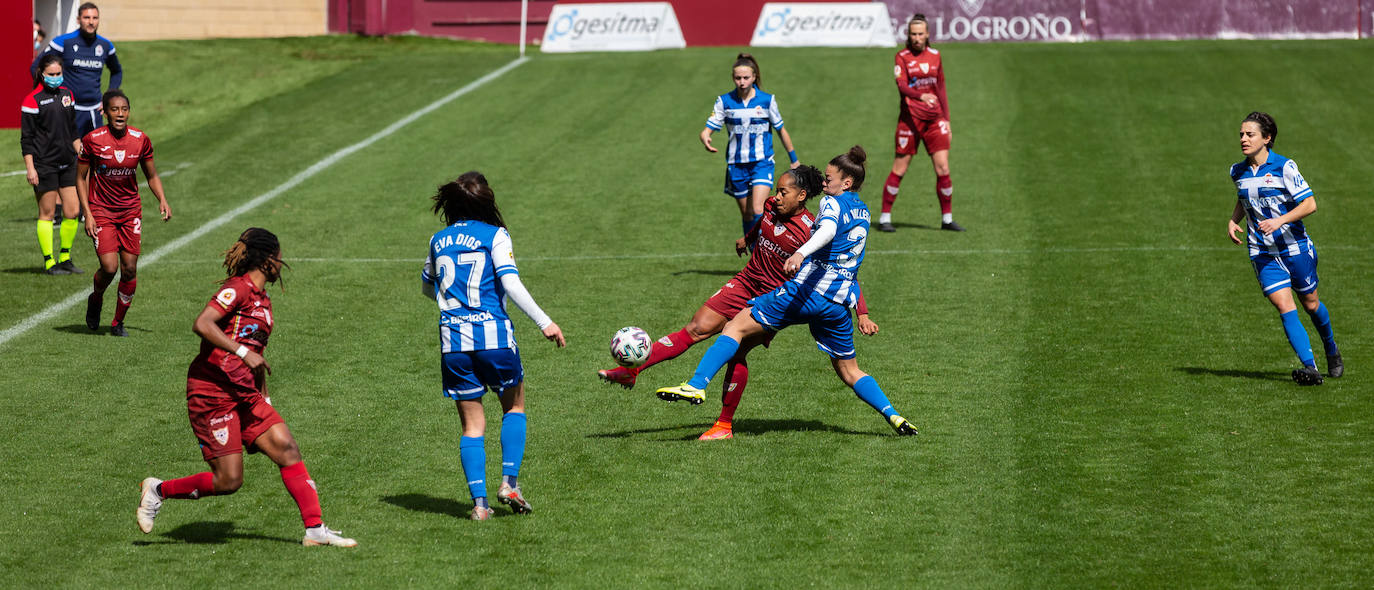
(68,235)
(45,241)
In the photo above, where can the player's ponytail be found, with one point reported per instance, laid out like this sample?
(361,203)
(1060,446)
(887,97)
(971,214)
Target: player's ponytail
(468,197)
(1268,128)
(744,59)
(256,249)
(851,165)
(807,179)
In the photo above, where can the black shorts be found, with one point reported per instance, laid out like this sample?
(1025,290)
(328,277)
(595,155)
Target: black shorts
(51,179)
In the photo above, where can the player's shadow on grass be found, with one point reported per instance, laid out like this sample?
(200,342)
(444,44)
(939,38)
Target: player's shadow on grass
(212,533)
(749,427)
(24,270)
(426,503)
(694,271)
(1266,376)
(910,226)
(103,331)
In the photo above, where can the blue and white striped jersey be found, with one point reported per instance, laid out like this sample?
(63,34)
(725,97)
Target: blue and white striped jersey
(82,65)
(465,265)
(831,271)
(1272,190)
(750,125)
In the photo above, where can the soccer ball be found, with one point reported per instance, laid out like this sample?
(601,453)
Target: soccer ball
(630,346)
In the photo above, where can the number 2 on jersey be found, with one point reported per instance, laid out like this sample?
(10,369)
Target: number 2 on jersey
(448,274)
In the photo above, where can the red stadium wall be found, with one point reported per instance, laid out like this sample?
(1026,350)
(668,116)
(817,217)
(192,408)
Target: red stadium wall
(16,54)
(499,20)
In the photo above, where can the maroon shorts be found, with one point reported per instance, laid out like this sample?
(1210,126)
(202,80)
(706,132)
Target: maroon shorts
(115,233)
(911,132)
(224,424)
(732,298)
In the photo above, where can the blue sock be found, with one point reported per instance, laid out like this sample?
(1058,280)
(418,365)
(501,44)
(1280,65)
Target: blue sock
(867,389)
(1297,337)
(720,353)
(1322,321)
(512,446)
(472,451)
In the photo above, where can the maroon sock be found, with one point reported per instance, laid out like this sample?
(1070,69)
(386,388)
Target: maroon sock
(302,488)
(890,191)
(190,487)
(737,371)
(667,347)
(126,298)
(944,189)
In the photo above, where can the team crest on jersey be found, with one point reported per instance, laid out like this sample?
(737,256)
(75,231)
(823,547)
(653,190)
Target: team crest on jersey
(221,435)
(119,156)
(758,111)
(779,230)
(67,101)
(897,71)
(925,68)
(99,51)
(226,297)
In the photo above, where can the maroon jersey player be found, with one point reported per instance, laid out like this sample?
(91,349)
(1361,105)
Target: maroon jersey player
(107,186)
(226,395)
(922,117)
(784,227)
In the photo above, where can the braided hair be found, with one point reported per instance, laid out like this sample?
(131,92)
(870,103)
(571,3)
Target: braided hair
(256,249)
(468,197)
(807,178)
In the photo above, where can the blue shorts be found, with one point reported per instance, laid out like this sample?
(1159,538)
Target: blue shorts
(741,178)
(1298,272)
(467,375)
(792,304)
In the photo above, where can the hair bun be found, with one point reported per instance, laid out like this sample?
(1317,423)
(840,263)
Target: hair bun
(858,155)
(744,56)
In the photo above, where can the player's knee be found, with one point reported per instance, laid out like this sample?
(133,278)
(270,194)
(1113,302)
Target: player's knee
(226,483)
(127,272)
(1311,304)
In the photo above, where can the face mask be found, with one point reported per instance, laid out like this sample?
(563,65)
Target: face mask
(53,81)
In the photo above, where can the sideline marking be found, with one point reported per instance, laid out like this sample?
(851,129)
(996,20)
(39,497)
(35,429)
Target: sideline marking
(176,244)
(968,251)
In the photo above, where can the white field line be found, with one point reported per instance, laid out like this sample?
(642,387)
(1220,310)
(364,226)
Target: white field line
(170,247)
(670,256)
(172,172)
(15,173)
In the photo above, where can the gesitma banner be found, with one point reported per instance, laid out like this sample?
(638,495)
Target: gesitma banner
(638,26)
(838,24)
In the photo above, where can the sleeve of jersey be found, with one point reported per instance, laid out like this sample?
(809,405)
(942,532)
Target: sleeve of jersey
(226,299)
(902,86)
(522,299)
(774,115)
(1294,182)
(940,89)
(147,149)
(717,118)
(827,224)
(116,70)
(85,156)
(502,255)
(28,126)
(862,307)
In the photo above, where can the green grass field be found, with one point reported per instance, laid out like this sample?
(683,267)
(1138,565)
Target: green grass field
(1102,392)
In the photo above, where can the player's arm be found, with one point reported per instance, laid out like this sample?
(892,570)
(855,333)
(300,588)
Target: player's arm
(28,128)
(83,192)
(155,185)
(503,258)
(713,124)
(1307,207)
(116,71)
(903,85)
(427,277)
(1233,224)
(940,90)
(866,326)
(825,232)
(207,327)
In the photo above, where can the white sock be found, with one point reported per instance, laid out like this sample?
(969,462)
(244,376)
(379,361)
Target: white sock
(885,218)
(947,218)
